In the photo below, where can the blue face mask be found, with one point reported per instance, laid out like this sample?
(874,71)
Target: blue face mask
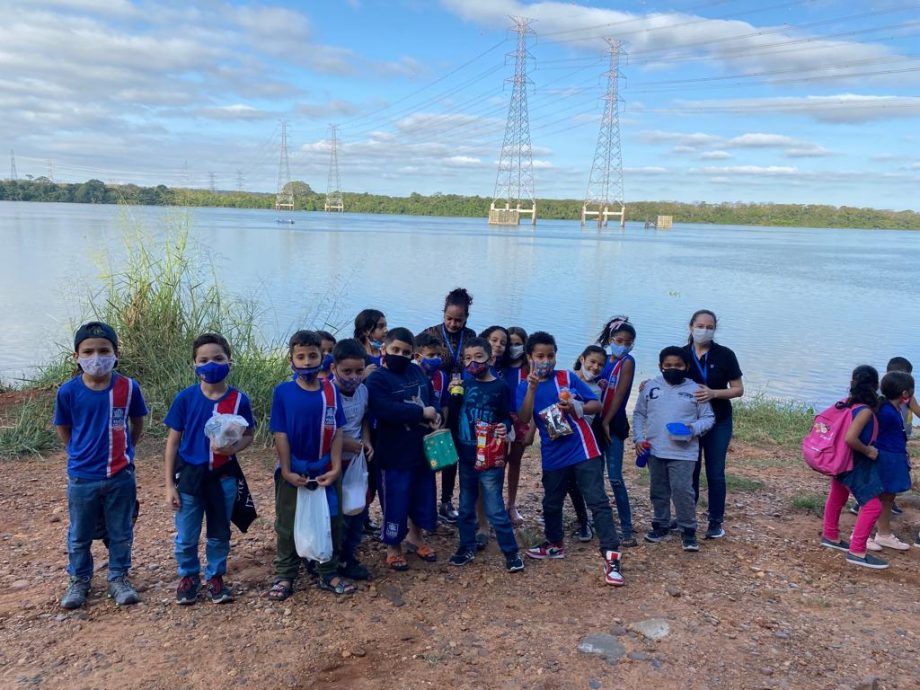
(308,374)
(430,364)
(212,372)
(376,344)
(327,362)
(617,351)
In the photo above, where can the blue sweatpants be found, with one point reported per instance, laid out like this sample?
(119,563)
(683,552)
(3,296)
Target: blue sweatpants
(407,494)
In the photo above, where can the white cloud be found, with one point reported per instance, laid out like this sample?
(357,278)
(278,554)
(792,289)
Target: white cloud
(690,140)
(463,161)
(237,111)
(715,155)
(646,170)
(755,170)
(808,151)
(841,109)
(760,140)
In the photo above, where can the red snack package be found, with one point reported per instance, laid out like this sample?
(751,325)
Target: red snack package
(490,450)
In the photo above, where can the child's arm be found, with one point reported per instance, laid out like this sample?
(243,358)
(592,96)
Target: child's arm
(914,405)
(169,469)
(525,409)
(624,383)
(137,430)
(63,433)
(385,408)
(863,417)
(283,448)
(351,445)
(366,436)
(336,453)
(705,419)
(640,420)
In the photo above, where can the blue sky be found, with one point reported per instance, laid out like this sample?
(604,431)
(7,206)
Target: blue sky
(722,100)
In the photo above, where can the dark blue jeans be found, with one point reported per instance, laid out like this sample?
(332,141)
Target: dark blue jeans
(490,482)
(589,475)
(614,457)
(713,449)
(112,498)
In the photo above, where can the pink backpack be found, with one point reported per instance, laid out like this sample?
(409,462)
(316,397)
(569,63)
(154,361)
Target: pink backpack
(825,448)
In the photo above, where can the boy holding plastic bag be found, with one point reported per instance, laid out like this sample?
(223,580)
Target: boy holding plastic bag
(348,376)
(306,420)
(209,423)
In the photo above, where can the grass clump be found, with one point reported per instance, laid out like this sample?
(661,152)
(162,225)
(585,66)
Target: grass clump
(812,503)
(764,421)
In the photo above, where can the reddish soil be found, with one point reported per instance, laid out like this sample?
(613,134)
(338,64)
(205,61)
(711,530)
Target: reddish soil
(763,608)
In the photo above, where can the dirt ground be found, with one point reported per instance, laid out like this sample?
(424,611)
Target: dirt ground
(763,608)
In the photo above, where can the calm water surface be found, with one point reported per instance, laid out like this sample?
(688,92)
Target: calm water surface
(800,307)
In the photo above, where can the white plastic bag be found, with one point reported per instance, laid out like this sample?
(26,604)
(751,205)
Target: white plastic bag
(354,486)
(225,429)
(312,528)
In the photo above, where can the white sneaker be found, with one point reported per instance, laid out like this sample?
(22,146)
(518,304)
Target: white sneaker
(891,542)
(871,545)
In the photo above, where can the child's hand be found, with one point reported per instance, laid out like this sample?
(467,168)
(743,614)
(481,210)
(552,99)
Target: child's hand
(643,385)
(565,405)
(226,450)
(430,413)
(368,451)
(172,498)
(873,453)
(293,478)
(641,447)
(369,368)
(605,432)
(501,432)
(532,381)
(327,479)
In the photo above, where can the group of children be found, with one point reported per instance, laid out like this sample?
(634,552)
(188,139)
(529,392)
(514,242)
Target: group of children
(380,395)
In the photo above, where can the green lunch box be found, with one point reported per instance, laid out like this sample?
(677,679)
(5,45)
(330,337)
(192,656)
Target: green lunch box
(440,450)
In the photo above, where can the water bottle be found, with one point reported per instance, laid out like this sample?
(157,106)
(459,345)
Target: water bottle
(642,458)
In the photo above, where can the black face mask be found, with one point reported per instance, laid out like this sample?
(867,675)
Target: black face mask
(674,376)
(396,363)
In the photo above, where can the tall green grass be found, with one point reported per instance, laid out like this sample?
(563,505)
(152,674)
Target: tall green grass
(763,421)
(162,298)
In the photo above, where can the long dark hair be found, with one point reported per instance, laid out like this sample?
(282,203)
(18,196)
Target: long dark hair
(459,297)
(698,313)
(590,350)
(614,325)
(863,387)
(365,322)
(506,357)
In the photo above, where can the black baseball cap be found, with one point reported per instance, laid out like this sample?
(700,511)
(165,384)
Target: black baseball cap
(95,329)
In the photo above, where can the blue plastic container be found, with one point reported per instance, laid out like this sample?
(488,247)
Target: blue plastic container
(678,431)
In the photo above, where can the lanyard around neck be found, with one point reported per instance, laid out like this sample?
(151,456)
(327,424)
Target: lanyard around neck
(454,353)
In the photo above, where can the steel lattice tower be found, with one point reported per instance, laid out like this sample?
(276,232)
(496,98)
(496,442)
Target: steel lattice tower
(604,197)
(514,192)
(284,199)
(13,176)
(333,184)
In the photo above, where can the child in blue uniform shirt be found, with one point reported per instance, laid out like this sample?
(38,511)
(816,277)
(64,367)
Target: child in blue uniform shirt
(306,421)
(201,480)
(557,401)
(485,399)
(99,416)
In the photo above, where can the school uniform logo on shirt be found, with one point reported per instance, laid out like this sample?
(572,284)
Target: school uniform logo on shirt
(119,418)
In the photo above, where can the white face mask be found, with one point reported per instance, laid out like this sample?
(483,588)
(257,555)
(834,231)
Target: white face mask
(97,366)
(516,351)
(703,336)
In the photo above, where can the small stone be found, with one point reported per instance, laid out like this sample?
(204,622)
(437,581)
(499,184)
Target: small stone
(358,652)
(767,671)
(287,612)
(602,644)
(233,673)
(594,684)
(19,584)
(638,656)
(673,591)
(618,630)
(869,683)
(652,628)
(346,654)
(54,518)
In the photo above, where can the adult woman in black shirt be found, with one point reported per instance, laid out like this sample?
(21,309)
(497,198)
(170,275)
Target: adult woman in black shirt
(715,368)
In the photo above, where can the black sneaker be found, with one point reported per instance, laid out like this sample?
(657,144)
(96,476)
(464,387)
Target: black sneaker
(482,540)
(689,542)
(122,592)
(655,535)
(447,513)
(76,593)
(187,591)
(585,532)
(896,509)
(218,591)
(839,545)
(629,540)
(673,526)
(462,557)
(867,561)
(514,563)
(715,531)
(354,570)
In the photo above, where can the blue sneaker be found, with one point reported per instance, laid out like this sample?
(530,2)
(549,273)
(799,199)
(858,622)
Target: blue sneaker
(867,561)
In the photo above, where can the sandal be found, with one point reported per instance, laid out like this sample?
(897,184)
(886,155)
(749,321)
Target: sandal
(425,552)
(280,591)
(337,584)
(397,562)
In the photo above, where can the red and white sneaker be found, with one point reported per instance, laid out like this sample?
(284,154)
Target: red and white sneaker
(546,550)
(612,574)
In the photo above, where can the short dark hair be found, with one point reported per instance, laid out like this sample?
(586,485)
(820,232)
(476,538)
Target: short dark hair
(426,339)
(326,335)
(900,364)
(459,297)
(366,321)
(896,382)
(401,334)
(674,351)
(211,339)
(304,339)
(348,349)
(539,338)
(478,342)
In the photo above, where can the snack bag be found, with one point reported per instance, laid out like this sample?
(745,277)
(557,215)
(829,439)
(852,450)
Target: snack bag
(490,449)
(556,423)
(225,429)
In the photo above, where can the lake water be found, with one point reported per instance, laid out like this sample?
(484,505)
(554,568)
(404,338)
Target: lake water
(800,307)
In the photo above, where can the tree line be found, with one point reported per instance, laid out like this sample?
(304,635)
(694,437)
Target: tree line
(726,213)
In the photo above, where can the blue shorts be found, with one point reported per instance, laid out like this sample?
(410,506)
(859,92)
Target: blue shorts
(407,494)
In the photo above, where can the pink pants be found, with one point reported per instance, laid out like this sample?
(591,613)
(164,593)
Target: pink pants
(868,514)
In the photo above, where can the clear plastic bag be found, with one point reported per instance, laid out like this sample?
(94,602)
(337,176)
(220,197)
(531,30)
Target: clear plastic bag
(556,423)
(225,429)
(354,486)
(312,528)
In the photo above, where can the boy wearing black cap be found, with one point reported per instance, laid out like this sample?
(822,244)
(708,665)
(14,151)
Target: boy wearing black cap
(99,415)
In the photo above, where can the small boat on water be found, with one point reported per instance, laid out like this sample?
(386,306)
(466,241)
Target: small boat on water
(286,221)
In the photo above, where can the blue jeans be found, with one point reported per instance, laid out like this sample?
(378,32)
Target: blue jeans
(188,530)
(614,457)
(113,498)
(714,448)
(490,482)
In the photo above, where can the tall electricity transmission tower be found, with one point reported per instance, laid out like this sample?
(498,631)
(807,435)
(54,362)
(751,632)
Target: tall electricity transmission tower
(514,193)
(50,170)
(284,199)
(239,180)
(604,197)
(212,183)
(333,185)
(13,175)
